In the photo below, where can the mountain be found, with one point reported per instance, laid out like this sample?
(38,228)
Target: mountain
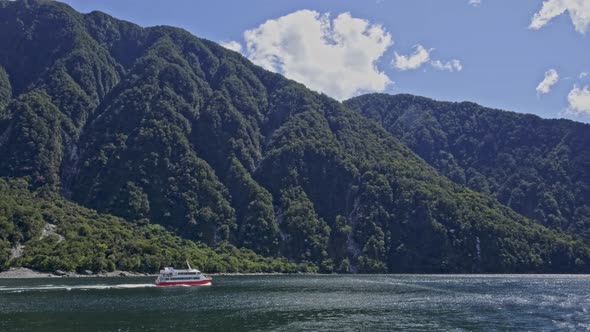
(540,168)
(156,126)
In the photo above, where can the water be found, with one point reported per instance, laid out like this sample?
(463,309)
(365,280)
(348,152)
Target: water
(300,303)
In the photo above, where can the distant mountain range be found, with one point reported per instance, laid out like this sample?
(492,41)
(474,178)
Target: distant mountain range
(156,126)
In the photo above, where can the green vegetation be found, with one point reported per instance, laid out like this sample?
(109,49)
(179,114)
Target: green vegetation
(60,235)
(156,126)
(540,168)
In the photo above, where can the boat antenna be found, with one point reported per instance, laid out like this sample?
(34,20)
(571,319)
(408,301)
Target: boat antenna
(189,266)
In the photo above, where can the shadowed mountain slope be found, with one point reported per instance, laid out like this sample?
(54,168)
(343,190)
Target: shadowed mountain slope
(538,167)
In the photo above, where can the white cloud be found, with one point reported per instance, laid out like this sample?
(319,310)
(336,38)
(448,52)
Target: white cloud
(583,75)
(475,3)
(453,65)
(421,56)
(412,61)
(579,101)
(579,11)
(232,45)
(335,56)
(551,77)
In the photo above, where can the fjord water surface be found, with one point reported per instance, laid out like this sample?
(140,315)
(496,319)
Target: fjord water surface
(300,303)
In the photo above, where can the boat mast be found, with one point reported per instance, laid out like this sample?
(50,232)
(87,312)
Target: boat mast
(189,266)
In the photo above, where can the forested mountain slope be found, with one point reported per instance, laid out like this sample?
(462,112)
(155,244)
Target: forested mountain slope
(54,234)
(538,167)
(155,125)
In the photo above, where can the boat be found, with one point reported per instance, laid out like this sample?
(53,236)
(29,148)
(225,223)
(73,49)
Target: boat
(191,277)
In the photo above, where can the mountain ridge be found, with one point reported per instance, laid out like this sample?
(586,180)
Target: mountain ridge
(184,133)
(546,158)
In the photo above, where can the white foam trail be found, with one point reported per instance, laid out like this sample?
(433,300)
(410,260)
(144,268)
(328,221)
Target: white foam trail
(73,287)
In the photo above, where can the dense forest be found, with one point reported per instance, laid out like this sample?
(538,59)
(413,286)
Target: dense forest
(158,127)
(540,168)
(59,235)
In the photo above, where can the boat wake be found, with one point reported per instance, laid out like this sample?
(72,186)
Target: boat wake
(71,287)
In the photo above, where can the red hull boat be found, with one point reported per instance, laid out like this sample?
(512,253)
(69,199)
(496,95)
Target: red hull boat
(191,277)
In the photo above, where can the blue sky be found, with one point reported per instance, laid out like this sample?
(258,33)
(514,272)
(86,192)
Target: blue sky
(493,52)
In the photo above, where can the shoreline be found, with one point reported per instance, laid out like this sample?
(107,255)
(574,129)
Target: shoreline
(26,273)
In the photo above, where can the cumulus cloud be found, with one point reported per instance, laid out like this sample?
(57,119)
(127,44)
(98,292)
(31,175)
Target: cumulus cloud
(551,77)
(475,3)
(335,56)
(412,61)
(578,10)
(232,45)
(453,65)
(579,101)
(421,56)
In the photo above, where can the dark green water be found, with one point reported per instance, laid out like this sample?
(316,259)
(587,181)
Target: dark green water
(296,303)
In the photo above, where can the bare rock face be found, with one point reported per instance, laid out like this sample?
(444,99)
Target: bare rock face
(51,229)
(17,251)
(61,273)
